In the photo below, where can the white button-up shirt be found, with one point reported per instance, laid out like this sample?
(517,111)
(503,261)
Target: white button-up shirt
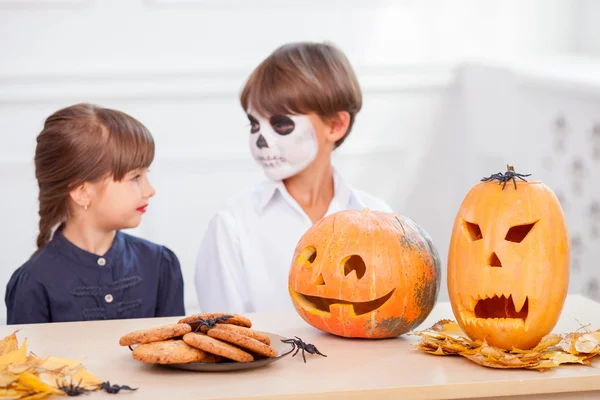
(245,257)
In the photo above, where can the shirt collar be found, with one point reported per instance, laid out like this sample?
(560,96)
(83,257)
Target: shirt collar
(62,244)
(342,193)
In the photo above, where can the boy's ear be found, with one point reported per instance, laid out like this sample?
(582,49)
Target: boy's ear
(338,125)
(81,195)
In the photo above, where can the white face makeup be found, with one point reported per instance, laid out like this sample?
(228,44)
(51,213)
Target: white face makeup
(282,144)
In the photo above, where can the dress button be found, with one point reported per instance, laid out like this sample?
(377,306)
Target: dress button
(108,298)
(102,261)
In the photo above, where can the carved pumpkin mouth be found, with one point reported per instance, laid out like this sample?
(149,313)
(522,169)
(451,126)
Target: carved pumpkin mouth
(323,304)
(501,310)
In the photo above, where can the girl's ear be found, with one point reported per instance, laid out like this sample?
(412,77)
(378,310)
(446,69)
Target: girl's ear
(81,195)
(338,125)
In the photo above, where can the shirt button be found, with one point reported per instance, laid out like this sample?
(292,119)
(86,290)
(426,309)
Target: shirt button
(102,261)
(108,298)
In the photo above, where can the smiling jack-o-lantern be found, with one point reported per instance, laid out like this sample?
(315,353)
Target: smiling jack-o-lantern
(364,274)
(508,262)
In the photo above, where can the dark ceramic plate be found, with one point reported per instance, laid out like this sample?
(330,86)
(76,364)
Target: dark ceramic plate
(283,349)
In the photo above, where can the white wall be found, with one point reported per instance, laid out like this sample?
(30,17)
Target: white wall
(178,65)
(543,116)
(587,18)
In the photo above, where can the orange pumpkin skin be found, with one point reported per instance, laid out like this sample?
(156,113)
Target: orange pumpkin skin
(512,244)
(390,292)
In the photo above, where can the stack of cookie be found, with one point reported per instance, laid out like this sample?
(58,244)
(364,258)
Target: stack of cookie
(205,338)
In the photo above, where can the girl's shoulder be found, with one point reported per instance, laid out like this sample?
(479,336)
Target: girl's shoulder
(34,270)
(146,248)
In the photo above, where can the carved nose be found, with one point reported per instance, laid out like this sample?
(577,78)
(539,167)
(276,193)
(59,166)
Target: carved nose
(494,261)
(261,142)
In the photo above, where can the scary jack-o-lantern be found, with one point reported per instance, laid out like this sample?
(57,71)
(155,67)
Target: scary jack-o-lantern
(508,262)
(364,274)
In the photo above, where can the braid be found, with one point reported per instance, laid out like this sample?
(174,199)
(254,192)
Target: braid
(45,232)
(51,213)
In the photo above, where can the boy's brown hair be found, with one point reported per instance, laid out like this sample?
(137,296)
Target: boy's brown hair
(302,78)
(84,143)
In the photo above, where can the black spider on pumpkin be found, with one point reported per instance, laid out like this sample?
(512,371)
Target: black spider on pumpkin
(510,174)
(298,344)
(113,389)
(209,323)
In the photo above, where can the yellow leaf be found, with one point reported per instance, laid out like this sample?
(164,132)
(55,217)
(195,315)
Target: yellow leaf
(36,396)
(18,356)
(491,352)
(60,364)
(547,341)
(439,326)
(20,368)
(446,338)
(13,394)
(30,380)
(588,343)
(563,358)
(9,343)
(84,378)
(7,378)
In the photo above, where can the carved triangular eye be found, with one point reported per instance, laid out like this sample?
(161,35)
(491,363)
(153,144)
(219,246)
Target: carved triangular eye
(519,232)
(473,230)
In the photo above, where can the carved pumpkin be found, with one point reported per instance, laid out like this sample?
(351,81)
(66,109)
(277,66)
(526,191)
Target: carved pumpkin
(364,274)
(508,262)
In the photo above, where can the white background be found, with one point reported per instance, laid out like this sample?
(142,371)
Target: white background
(453,91)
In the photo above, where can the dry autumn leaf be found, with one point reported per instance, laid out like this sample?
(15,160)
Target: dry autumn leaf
(24,376)
(446,337)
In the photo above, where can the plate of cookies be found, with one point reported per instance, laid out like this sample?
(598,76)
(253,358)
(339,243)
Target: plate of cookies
(207,342)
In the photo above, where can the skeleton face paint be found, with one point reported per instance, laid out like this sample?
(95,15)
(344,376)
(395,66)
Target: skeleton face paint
(283,144)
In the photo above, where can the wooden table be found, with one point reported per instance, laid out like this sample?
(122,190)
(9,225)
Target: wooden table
(354,369)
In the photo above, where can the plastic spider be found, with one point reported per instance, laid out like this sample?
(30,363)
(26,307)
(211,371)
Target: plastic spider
(108,388)
(209,323)
(72,390)
(510,174)
(300,345)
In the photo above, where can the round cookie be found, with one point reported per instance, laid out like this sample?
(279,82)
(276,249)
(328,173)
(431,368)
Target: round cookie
(156,334)
(242,341)
(236,319)
(261,337)
(213,346)
(169,352)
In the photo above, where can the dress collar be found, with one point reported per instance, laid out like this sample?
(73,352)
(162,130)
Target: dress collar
(62,244)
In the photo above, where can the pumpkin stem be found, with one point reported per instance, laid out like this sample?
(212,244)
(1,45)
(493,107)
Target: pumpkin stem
(366,211)
(509,175)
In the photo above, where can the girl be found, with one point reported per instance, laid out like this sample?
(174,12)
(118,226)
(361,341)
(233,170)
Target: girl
(91,164)
(301,103)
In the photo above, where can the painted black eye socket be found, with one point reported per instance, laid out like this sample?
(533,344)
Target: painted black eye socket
(282,124)
(254,124)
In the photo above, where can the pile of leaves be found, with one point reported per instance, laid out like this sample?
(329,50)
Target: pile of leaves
(27,376)
(447,338)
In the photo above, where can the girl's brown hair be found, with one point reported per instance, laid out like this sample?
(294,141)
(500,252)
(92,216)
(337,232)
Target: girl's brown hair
(302,78)
(84,143)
